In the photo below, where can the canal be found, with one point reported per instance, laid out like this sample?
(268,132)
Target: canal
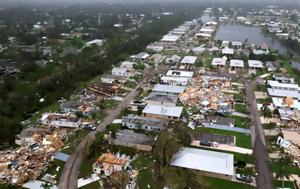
(252,34)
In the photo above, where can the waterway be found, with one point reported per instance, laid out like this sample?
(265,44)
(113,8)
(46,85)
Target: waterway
(253,34)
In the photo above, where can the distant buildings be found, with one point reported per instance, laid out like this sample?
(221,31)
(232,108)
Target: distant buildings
(139,122)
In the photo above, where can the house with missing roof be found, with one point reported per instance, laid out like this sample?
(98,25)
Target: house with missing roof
(161,99)
(208,163)
(107,164)
(140,122)
(132,139)
(140,57)
(163,112)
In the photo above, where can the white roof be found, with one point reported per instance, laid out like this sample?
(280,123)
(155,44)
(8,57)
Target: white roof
(180,80)
(259,52)
(180,73)
(95,41)
(218,61)
(278,85)
(203,35)
(236,63)
(168,88)
(204,160)
(163,110)
(189,60)
(255,64)
(236,43)
(198,49)
(227,51)
(283,93)
(36,185)
(170,38)
(127,63)
(206,30)
(279,102)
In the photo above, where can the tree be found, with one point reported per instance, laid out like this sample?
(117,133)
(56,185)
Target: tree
(283,171)
(266,111)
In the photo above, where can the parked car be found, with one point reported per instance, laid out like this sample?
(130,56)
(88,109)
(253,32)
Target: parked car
(90,127)
(244,178)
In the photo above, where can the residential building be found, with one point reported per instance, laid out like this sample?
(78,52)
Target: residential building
(283,78)
(163,112)
(189,60)
(85,109)
(173,59)
(131,139)
(255,64)
(218,62)
(116,71)
(140,57)
(168,89)
(60,120)
(128,65)
(236,64)
(113,79)
(208,163)
(161,99)
(107,164)
(139,122)
(227,51)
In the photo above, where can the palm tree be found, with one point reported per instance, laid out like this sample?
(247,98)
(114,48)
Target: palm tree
(283,171)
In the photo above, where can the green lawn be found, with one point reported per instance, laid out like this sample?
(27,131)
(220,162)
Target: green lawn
(292,169)
(287,184)
(261,87)
(215,183)
(269,125)
(238,97)
(241,122)
(144,176)
(242,108)
(109,104)
(52,108)
(93,185)
(264,100)
(74,139)
(52,168)
(242,140)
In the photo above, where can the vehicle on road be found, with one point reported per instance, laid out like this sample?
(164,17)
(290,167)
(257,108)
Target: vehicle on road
(244,178)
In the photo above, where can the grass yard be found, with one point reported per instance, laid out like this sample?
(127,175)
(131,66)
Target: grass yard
(242,108)
(215,183)
(264,100)
(287,184)
(109,104)
(52,168)
(242,140)
(241,122)
(91,186)
(144,176)
(261,87)
(238,97)
(73,140)
(292,169)
(52,108)
(269,125)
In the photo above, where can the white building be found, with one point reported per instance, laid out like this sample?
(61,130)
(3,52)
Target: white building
(127,65)
(155,48)
(168,89)
(108,164)
(189,60)
(98,42)
(163,112)
(227,51)
(236,64)
(218,62)
(210,163)
(255,64)
(173,80)
(140,57)
(60,120)
(117,71)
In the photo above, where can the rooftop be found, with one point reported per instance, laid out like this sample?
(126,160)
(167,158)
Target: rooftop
(145,121)
(129,136)
(180,73)
(162,98)
(255,64)
(204,160)
(189,60)
(218,61)
(168,88)
(236,63)
(163,110)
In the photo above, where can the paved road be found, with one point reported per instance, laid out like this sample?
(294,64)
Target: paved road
(264,179)
(68,179)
